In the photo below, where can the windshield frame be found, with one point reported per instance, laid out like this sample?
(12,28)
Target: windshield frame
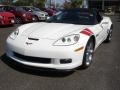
(35,9)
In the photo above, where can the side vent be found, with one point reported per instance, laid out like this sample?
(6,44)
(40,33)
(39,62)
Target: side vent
(35,39)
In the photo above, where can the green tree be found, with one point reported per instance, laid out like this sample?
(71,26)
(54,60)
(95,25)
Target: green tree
(7,2)
(67,4)
(76,3)
(38,3)
(73,3)
(23,2)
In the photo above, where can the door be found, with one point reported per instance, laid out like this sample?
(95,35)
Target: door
(100,29)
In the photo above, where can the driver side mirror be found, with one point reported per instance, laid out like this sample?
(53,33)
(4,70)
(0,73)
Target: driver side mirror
(103,24)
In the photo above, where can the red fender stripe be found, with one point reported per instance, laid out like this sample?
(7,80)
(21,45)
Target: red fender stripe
(87,32)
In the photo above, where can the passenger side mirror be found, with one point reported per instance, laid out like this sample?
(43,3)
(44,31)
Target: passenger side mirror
(103,24)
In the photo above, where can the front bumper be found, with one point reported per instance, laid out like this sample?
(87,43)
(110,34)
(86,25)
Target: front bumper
(54,53)
(43,17)
(7,22)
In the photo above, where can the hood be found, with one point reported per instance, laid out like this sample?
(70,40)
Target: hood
(44,12)
(6,14)
(50,30)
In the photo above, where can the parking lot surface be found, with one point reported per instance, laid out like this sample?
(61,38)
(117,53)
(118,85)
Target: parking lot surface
(104,73)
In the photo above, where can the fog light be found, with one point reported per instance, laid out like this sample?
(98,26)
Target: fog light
(65,61)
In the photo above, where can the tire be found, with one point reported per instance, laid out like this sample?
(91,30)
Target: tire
(88,54)
(35,18)
(109,37)
(18,20)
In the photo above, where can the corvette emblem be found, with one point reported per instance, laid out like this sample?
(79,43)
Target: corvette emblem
(28,43)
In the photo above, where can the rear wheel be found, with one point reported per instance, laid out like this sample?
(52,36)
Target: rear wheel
(88,54)
(109,37)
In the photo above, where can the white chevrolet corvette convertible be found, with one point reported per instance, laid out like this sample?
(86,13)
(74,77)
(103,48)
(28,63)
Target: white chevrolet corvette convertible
(66,41)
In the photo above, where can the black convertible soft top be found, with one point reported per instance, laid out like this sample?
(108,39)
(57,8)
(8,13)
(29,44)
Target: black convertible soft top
(79,16)
(87,10)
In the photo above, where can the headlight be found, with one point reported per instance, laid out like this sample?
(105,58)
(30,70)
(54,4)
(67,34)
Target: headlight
(67,40)
(24,15)
(14,34)
(42,14)
(1,17)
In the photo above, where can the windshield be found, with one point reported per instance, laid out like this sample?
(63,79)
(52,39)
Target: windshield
(26,8)
(1,9)
(19,9)
(35,9)
(73,17)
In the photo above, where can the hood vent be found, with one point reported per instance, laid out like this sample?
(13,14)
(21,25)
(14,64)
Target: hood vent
(35,39)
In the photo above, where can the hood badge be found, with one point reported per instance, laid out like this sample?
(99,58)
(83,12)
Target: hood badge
(29,43)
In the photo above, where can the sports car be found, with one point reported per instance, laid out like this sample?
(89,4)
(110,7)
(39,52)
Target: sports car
(6,18)
(39,15)
(21,15)
(66,41)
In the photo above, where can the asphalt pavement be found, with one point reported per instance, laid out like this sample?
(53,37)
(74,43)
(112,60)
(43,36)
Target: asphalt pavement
(103,74)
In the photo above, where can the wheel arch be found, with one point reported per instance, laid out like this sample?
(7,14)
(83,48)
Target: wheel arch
(35,15)
(93,39)
(111,26)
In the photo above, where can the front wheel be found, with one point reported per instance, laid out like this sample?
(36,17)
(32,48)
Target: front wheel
(35,18)
(88,54)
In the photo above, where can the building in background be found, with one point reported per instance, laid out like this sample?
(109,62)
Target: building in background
(104,4)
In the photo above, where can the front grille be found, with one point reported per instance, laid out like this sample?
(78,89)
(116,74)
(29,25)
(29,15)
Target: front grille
(33,59)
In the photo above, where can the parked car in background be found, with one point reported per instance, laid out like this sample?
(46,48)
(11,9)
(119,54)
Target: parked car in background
(50,11)
(39,15)
(68,40)
(21,15)
(6,18)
